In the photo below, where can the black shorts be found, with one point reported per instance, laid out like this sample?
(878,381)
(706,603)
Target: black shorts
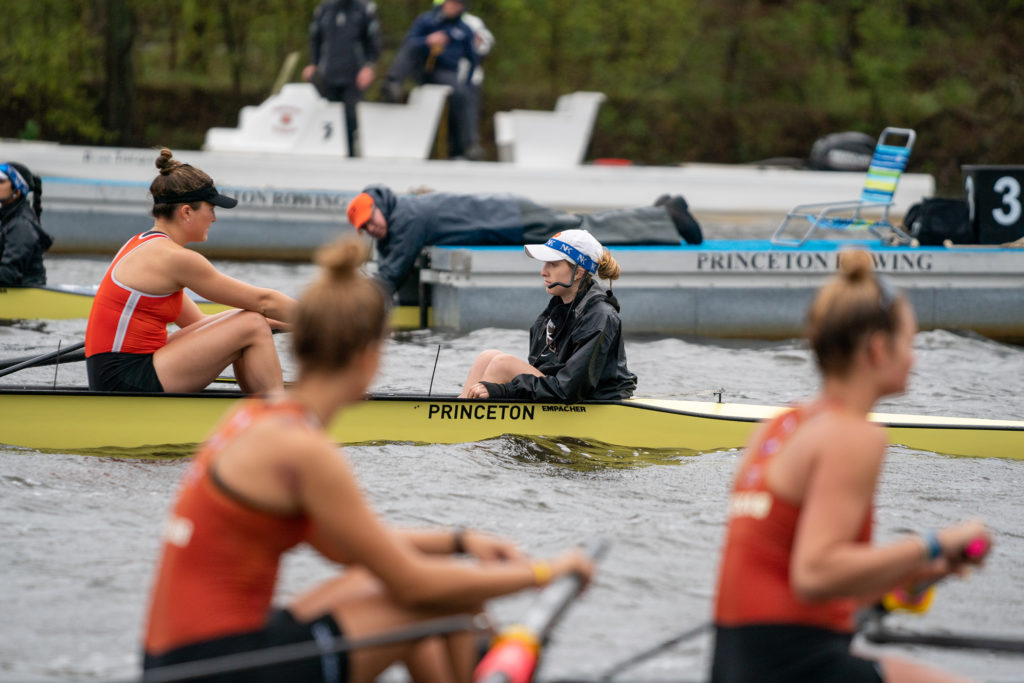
(281,629)
(783,653)
(123,372)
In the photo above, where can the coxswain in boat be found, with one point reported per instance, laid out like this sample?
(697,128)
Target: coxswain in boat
(127,347)
(22,238)
(798,557)
(402,226)
(270,478)
(576,346)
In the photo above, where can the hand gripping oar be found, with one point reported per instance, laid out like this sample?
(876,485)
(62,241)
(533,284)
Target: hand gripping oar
(58,356)
(918,599)
(513,656)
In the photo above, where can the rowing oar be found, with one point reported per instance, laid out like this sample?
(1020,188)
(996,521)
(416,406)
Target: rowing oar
(310,649)
(513,656)
(632,661)
(876,633)
(58,356)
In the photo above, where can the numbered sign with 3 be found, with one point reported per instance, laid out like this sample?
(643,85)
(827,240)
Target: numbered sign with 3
(995,195)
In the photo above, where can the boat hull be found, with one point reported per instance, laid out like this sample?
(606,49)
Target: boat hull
(81,421)
(67,302)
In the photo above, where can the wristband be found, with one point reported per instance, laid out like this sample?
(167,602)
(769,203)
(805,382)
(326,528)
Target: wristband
(932,547)
(541,573)
(459,540)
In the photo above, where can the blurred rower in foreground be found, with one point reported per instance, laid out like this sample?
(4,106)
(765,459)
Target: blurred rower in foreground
(126,343)
(271,478)
(576,347)
(798,557)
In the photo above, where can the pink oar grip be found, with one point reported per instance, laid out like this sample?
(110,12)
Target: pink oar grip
(976,548)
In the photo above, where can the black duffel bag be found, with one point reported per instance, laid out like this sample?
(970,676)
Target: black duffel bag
(937,219)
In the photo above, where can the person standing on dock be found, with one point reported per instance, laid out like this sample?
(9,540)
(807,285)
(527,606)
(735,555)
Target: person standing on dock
(272,478)
(344,46)
(402,226)
(798,557)
(127,347)
(22,239)
(576,347)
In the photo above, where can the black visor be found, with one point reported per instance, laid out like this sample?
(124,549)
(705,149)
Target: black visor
(207,193)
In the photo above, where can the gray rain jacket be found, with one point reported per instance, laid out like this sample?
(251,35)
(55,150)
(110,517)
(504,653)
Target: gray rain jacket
(442,218)
(439,218)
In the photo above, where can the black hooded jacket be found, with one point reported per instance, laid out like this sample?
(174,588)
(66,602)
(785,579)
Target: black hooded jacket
(586,358)
(22,244)
(344,36)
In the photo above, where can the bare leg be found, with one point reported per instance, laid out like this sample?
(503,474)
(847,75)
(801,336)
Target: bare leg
(361,606)
(194,356)
(504,367)
(478,368)
(495,366)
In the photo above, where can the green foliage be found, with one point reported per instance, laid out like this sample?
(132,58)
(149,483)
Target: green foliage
(729,81)
(48,50)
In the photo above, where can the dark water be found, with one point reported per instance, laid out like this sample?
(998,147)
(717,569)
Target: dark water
(80,533)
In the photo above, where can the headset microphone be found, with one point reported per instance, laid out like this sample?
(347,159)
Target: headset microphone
(572,278)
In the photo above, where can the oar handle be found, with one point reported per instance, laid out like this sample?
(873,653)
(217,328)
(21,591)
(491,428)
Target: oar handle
(552,602)
(918,598)
(514,654)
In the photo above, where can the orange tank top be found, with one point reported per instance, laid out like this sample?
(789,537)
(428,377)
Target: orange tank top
(220,557)
(126,320)
(753,580)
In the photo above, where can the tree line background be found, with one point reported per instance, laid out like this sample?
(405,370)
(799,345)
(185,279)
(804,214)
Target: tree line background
(731,81)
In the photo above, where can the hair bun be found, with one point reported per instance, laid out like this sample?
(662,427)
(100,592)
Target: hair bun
(165,162)
(855,265)
(342,258)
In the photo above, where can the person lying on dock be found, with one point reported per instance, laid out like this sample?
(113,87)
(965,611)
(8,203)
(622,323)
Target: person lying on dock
(402,226)
(127,347)
(576,347)
(271,478)
(798,557)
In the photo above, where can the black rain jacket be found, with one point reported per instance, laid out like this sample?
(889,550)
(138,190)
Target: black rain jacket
(22,244)
(344,36)
(586,358)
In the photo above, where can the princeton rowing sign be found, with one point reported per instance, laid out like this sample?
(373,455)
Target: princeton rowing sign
(910,261)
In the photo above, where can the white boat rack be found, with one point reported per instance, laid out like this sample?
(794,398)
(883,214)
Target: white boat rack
(548,139)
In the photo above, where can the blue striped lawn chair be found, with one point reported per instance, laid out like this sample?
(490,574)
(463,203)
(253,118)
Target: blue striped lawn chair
(887,164)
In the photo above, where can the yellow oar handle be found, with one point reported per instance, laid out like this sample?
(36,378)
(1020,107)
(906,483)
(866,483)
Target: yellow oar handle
(915,599)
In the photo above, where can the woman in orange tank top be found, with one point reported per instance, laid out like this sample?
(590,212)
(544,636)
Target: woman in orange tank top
(798,557)
(271,478)
(126,343)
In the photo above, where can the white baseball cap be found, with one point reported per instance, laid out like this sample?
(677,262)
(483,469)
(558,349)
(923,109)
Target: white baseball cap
(574,246)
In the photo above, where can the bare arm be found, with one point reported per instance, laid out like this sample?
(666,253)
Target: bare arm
(347,527)
(828,561)
(190,313)
(194,271)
